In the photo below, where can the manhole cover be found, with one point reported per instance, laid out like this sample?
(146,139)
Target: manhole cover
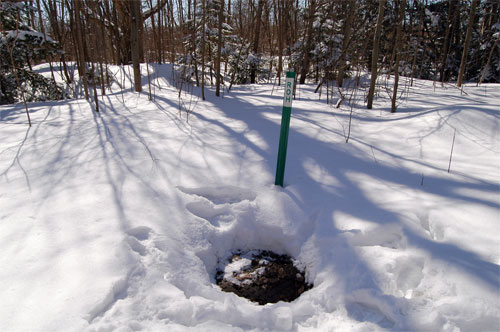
(261,276)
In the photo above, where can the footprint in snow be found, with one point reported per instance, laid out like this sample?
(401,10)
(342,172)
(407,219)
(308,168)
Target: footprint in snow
(221,194)
(135,236)
(365,305)
(218,205)
(141,233)
(408,273)
(433,228)
(389,236)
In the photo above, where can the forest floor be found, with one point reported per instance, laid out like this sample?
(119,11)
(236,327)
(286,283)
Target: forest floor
(117,220)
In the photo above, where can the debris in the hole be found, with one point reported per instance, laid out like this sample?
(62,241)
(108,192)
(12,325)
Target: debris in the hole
(261,276)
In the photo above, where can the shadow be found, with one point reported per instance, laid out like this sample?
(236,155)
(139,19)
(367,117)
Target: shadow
(347,196)
(17,161)
(122,146)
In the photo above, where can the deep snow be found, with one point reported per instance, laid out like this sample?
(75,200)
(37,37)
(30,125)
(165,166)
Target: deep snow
(115,221)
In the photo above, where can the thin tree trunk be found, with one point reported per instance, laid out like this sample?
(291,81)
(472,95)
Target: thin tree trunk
(203,50)
(81,53)
(279,17)
(134,43)
(455,7)
(219,48)
(420,38)
(160,38)
(154,33)
(256,39)
(463,63)
(103,53)
(308,41)
(345,41)
(485,70)
(373,79)
(398,49)
(42,27)
(96,99)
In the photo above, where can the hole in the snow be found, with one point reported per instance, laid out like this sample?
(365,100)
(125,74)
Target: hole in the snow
(261,276)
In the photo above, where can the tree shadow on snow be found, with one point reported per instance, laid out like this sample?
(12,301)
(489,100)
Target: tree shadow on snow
(348,197)
(117,138)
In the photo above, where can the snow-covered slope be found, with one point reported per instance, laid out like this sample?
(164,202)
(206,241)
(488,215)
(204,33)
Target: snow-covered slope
(115,221)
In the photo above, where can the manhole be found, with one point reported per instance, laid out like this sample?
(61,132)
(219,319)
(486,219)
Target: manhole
(261,276)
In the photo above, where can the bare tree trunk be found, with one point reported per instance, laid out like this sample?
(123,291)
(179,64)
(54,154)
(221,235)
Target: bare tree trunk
(278,12)
(398,49)
(203,50)
(194,57)
(373,79)
(345,41)
(112,12)
(102,55)
(308,41)
(155,33)
(256,39)
(463,63)
(219,48)
(419,40)
(42,27)
(51,8)
(485,70)
(96,98)
(454,7)
(160,38)
(81,52)
(134,43)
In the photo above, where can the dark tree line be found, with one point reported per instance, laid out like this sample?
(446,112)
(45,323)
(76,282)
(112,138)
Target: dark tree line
(248,41)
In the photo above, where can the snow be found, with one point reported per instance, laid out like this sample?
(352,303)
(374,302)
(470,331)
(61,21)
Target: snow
(237,267)
(23,34)
(116,221)
(11,5)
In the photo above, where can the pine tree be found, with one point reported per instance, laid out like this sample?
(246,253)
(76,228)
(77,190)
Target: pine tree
(204,40)
(20,47)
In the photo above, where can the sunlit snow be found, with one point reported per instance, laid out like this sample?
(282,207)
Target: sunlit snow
(116,221)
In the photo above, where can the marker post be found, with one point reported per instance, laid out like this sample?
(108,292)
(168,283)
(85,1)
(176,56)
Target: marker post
(285,128)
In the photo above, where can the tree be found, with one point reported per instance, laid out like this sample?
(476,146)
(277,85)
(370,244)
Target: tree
(219,47)
(278,17)
(345,41)
(78,36)
(398,49)
(373,79)
(488,62)
(463,63)
(486,47)
(136,23)
(256,40)
(203,42)
(308,41)
(20,46)
(453,11)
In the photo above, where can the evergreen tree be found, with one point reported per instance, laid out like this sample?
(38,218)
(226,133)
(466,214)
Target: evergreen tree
(235,50)
(20,47)
(327,40)
(484,65)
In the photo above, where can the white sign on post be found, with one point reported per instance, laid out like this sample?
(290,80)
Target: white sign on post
(287,100)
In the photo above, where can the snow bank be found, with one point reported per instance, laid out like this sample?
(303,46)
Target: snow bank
(116,221)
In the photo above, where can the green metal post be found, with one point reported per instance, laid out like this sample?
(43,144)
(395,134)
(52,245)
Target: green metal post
(285,128)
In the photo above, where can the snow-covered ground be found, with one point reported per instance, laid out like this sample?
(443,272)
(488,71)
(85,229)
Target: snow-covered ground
(115,221)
